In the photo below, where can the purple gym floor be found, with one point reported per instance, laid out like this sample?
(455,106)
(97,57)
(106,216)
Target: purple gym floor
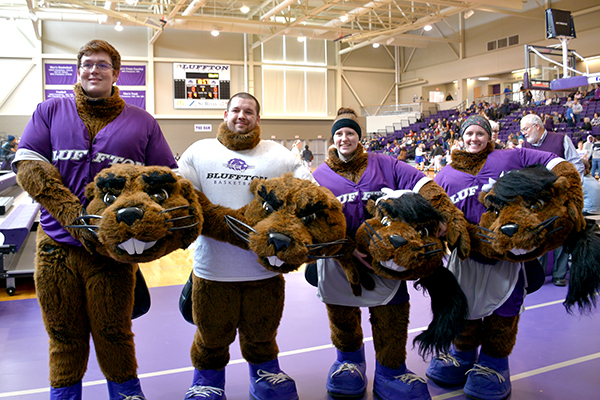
(557,355)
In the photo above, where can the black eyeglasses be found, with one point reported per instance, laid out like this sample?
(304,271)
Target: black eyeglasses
(101,66)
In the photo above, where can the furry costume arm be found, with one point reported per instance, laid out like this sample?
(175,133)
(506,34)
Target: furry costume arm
(456,234)
(574,195)
(44,184)
(215,225)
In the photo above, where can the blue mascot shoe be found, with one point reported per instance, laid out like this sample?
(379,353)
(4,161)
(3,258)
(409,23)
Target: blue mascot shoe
(130,390)
(208,385)
(489,379)
(72,392)
(450,369)
(401,383)
(269,382)
(347,377)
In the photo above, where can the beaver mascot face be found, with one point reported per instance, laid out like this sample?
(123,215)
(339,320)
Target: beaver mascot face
(141,213)
(292,221)
(526,216)
(401,237)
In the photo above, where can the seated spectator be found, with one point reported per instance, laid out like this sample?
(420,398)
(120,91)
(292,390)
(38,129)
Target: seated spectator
(581,151)
(549,123)
(591,191)
(590,93)
(403,154)
(596,120)
(555,99)
(587,126)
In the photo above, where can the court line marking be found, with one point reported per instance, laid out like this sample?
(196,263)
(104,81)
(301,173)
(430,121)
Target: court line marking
(328,346)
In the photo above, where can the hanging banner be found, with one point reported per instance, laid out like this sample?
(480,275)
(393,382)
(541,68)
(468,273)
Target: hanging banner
(60,74)
(134,97)
(201,85)
(132,75)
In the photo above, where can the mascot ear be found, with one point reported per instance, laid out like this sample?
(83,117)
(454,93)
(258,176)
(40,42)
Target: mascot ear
(371,208)
(561,185)
(89,191)
(255,184)
(481,197)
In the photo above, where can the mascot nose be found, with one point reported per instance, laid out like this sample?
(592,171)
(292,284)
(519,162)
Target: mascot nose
(509,229)
(397,241)
(279,240)
(129,215)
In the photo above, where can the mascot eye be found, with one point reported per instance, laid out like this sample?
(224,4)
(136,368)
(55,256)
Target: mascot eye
(538,205)
(268,208)
(423,232)
(109,198)
(309,218)
(159,197)
(493,210)
(385,221)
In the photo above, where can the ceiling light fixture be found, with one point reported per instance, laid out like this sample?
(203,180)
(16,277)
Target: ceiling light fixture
(215,32)
(375,45)
(245,9)
(301,38)
(469,14)
(344,18)
(484,78)
(427,28)
(131,2)
(118,26)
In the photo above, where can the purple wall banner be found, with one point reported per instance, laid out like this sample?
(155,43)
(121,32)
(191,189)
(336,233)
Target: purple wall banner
(134,97)
(61,74)
(51,94)
(132,75)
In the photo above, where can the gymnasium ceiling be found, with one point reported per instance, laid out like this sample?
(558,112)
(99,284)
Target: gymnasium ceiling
(354,22)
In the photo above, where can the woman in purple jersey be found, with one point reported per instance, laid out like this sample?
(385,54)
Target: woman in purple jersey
(353,175)
(495,289)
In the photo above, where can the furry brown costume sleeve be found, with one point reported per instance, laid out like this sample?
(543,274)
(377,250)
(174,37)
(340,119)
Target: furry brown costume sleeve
(44,184)
(457,234)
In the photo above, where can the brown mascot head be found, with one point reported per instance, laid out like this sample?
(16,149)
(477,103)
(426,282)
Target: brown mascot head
(293,221)
(526,215)
(141,213)
(402,243)
(401,237)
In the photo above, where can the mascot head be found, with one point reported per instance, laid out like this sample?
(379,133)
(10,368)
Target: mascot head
(401,237)
(292,221)
(141,213)
(526,216)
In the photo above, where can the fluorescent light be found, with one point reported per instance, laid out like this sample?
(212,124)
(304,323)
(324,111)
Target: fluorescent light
(427,28)
(375,45)
(118,26)
(469,14)
(245,9)
(484,78)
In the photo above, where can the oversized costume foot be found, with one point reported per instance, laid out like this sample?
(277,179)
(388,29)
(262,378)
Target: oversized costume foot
(347,377)
(450,369)
(489,379)
(269,382)
(72,392)
(129,390)
(401,383)
(208,385)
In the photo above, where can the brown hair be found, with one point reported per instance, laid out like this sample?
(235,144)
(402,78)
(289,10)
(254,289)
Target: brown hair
(97,45)
(246,96)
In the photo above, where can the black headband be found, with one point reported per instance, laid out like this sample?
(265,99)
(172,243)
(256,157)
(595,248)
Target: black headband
(346,123)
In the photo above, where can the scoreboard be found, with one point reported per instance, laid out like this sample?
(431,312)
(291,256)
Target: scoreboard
(201,85)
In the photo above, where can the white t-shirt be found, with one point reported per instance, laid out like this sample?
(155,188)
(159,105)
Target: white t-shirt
(224,176)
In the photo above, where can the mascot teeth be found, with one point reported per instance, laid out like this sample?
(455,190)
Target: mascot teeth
(519,252)
(134,246)
(274,261)
(390,264)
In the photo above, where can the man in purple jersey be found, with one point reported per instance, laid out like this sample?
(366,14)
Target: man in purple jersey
(65,144)
(540,139)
